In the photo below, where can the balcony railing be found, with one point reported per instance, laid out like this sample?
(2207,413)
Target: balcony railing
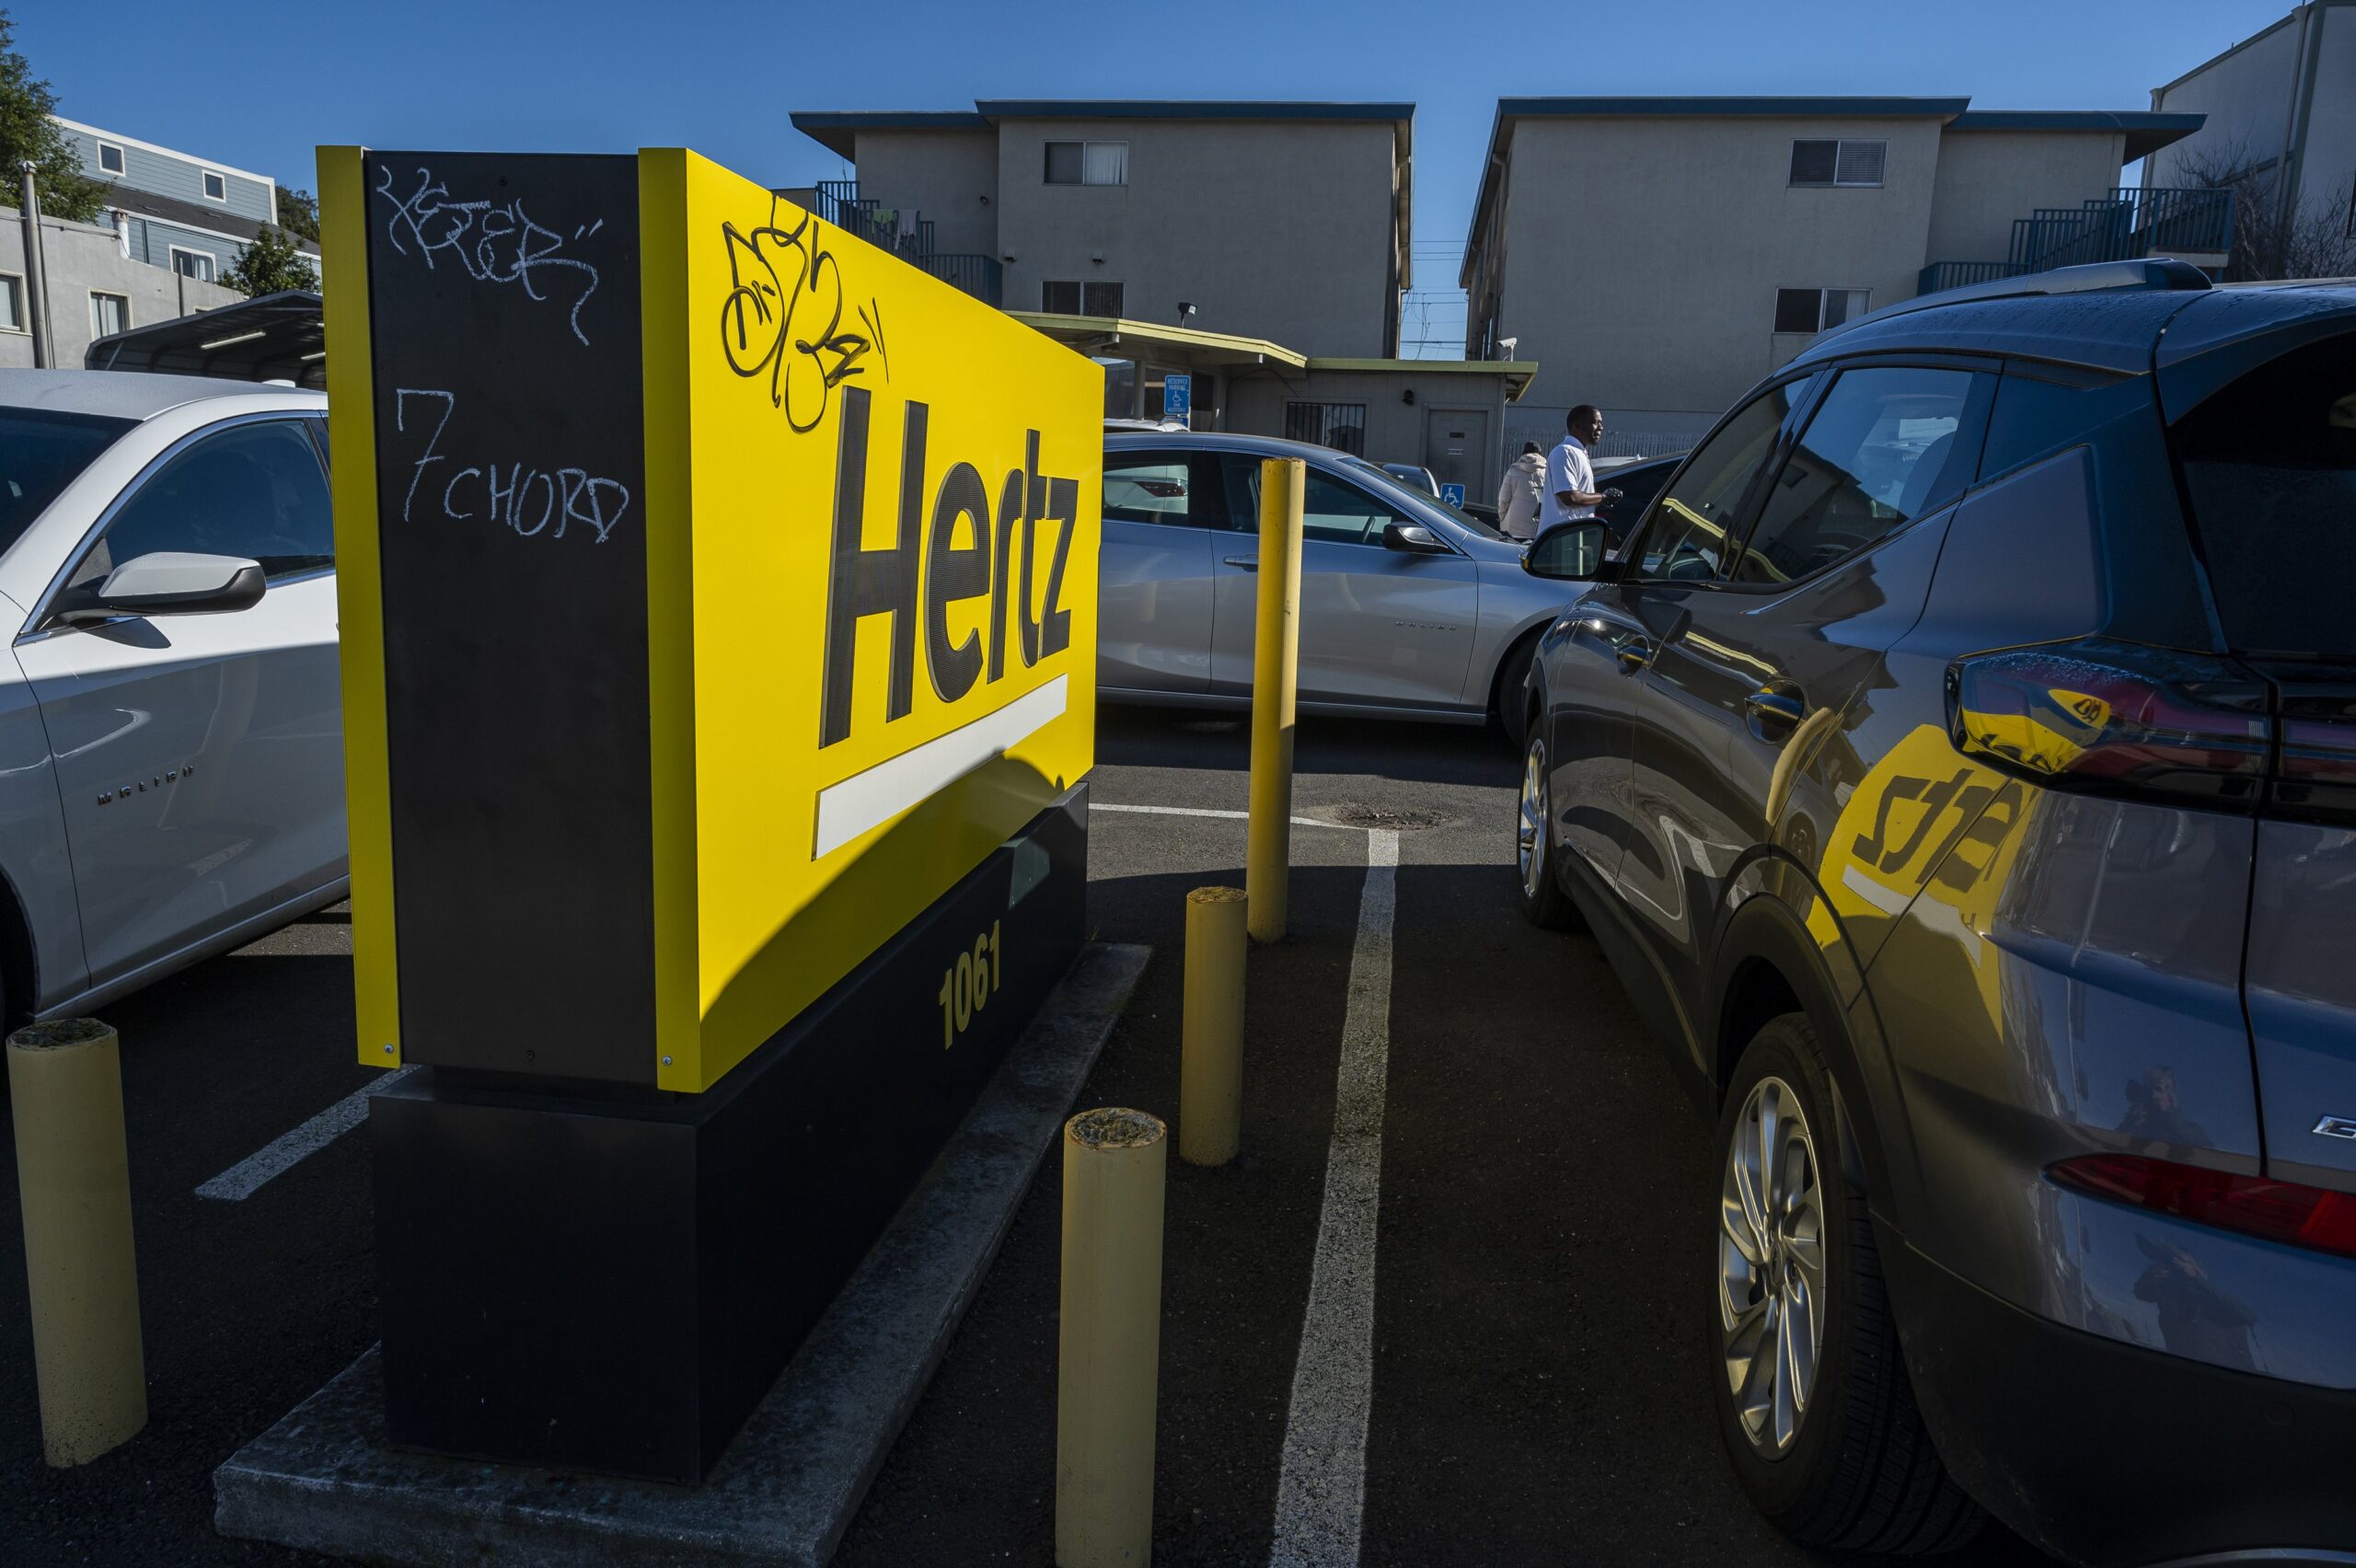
(984,277)
(2165,220)
(2128,223)
(910,238)
(1955,274)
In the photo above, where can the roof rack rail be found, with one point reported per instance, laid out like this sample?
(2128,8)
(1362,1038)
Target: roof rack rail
(2158,274)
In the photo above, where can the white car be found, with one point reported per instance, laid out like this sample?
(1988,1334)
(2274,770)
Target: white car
(171,737)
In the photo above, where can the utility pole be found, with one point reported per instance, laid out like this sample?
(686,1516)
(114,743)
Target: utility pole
(35,275)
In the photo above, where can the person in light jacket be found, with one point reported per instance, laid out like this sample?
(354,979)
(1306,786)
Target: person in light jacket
(1518,495)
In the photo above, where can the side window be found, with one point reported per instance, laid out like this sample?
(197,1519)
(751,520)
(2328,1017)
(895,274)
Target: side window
(1341,512)
(1884,447)
(1686,539)
(255,491)
(2034,418)
(1330,510)
(1180,489)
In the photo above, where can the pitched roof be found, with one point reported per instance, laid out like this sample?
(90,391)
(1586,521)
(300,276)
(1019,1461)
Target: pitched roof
(187,214)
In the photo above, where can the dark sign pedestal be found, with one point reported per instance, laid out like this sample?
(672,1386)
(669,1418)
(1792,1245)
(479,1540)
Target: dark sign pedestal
(610,1280)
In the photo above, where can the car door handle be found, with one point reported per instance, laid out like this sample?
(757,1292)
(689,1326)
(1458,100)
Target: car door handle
(1774,711)
(1634,653)
(1249,563)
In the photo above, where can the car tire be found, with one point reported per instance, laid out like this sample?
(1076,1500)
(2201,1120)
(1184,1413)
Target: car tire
(1510,702)
(1832,1450)
(1544,902)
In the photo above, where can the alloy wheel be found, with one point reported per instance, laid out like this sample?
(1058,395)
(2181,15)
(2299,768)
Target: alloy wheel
(1528,850)
(1771,1266)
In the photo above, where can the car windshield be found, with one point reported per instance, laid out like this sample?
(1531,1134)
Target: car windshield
(1416,499)
(2271,466)
(41,452)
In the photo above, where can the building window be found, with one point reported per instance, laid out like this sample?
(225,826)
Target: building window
(1088,163)
(109,314)
(1818,310)
(1341,426)
(1067,298)
(197,264)
(217,188)
(1838,163)
(12,303)
(109,159)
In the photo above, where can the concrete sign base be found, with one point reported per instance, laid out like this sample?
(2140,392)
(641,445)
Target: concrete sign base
(326,1480)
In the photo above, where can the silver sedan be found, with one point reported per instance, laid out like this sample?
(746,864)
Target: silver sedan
(171,742)
(1409,609)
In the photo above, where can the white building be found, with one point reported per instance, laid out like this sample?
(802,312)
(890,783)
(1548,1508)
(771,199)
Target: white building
(1656,256)
(2281,111)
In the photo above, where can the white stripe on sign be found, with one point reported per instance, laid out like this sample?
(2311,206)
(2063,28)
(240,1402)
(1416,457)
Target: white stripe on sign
(1321,1492)
(242,1179)
(869,800)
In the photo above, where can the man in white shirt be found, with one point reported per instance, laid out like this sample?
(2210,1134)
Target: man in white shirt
(1571,494)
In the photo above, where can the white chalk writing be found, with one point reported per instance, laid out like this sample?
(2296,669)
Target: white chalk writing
(527,499)
(491,242)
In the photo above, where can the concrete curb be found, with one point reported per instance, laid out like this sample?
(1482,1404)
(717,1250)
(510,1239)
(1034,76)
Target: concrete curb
(324,1481)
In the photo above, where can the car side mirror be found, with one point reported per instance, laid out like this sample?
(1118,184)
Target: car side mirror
(173,583)
(1568,552)
(1413,537)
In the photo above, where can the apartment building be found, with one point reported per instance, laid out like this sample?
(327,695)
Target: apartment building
(1658,255)
(1283,221)
(2280,131)
(1259,250)
(192,215)
(94,290)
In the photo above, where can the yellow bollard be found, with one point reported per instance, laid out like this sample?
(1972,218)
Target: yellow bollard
(1111,1339)
(65,1081)
(1211,1055)
(1275,668)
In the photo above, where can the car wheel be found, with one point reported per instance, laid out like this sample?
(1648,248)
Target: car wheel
(1542,903)
(1510,702)
(1813,1399)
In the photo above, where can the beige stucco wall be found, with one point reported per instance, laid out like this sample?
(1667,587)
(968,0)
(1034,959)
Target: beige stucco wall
(2245,94)
(1987,178)
(1642,254)
(950,177)
(80,258)
(2330,172)
(1394,428)
(1275,229)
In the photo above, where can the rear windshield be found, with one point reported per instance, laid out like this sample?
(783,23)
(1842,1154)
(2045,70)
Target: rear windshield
(2271,466)
(41,452)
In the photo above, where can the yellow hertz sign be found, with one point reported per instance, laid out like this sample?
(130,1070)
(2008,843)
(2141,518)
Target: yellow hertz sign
(867,513)
(881,500)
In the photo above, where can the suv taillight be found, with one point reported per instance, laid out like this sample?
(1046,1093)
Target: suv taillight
(2116,718)
(2306,1216)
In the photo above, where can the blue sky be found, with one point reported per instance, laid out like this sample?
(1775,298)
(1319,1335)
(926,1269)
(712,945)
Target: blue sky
(258,85)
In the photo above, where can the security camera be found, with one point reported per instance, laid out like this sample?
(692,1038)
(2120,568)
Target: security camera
(1186,308)
(1508,345)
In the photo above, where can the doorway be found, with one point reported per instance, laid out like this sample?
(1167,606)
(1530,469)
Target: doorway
(1456,449)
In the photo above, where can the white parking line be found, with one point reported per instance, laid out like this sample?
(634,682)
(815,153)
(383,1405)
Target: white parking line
(1321,1491)
(242,1179)
(1207,812)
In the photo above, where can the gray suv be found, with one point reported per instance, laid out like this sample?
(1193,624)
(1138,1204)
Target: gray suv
(1958,767)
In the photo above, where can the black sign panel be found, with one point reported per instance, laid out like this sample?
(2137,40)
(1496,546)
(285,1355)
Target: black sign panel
(503,308)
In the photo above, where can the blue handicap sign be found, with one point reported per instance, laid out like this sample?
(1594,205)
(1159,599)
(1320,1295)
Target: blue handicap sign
(1452,494)
(1178,399)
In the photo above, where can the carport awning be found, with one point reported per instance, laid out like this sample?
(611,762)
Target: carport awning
(279,337)
(1117,336)
(1516,373)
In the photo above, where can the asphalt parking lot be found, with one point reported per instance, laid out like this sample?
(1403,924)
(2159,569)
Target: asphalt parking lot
(1537,1390)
